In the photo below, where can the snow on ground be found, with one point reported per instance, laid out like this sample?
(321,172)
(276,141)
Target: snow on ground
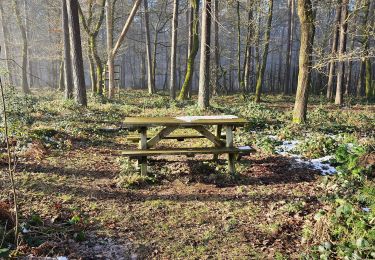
(320,164)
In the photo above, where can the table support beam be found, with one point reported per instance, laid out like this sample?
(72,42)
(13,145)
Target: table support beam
(142,162)
(210,136)
(229,144)
(218,135)
(162,134)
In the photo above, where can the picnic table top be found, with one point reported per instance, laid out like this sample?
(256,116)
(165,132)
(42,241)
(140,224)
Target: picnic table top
(184,121)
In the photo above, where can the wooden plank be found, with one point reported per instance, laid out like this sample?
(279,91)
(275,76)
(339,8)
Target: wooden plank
(179,137)
(218,135)
(186,151)
(143,146)
(159,136)
(137,122)
(229,144)
(210,136)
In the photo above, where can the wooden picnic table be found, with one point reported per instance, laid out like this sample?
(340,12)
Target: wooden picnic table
(223,144)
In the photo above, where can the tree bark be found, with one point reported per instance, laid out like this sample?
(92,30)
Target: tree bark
(172,84)
(265,53)
(306,16)
(193,52)
(342,50)
(76,53)
(335,41)
(288,72)
(150,76)
(25,84)
(216,48)
(204,71)
(7,49)
(110,56)
(68,77)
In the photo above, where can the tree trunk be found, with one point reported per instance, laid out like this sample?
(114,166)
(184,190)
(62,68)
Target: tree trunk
(334,51)
(247,61)
(76,53)
(216,48)
(150,76)
(204,71)
(111,57)
(193,52)
(61,73)
(240,84)
(153,61)
(288,72)
(25,84)
(342,50)
(306,16)
(172,84)
(68,77)
(265,53)
(6,35)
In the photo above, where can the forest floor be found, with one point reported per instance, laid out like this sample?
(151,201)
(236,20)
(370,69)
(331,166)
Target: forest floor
(77,198)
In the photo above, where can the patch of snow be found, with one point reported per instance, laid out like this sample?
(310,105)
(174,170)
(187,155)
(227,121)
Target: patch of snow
(286,147)
(62,258)
(245,148)
(190,119)
(320,164)
(25,230)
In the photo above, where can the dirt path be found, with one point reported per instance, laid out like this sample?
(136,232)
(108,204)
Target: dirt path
(192,211)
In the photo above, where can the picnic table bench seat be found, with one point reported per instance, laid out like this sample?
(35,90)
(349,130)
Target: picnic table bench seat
(178,137)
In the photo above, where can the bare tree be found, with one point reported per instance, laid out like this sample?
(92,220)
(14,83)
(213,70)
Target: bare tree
(335,41)
(193,51)
(204,71)
(307,19)
(342,50)
(92,31)
(287,83)
(76,53)
(150,76)
(68,77)
(172,85)
(6,35)
(25,84)
(265,53)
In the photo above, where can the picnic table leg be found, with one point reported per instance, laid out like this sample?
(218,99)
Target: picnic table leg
(143,145)
(218,134)
(229,143)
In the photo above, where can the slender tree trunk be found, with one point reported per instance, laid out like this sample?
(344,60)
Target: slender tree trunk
(193,52)
(61,74)
(342,50)
(6,35)
(216,48)
(150,76)
(265,53)
(306,16)
(92,69)
(68,77)
(76,53)
(369,27)
(172,84)
(334,51)
(111,57)
(247,67)
(204,71)
(288,72)
(240,84)
(153,61)
(25,84)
